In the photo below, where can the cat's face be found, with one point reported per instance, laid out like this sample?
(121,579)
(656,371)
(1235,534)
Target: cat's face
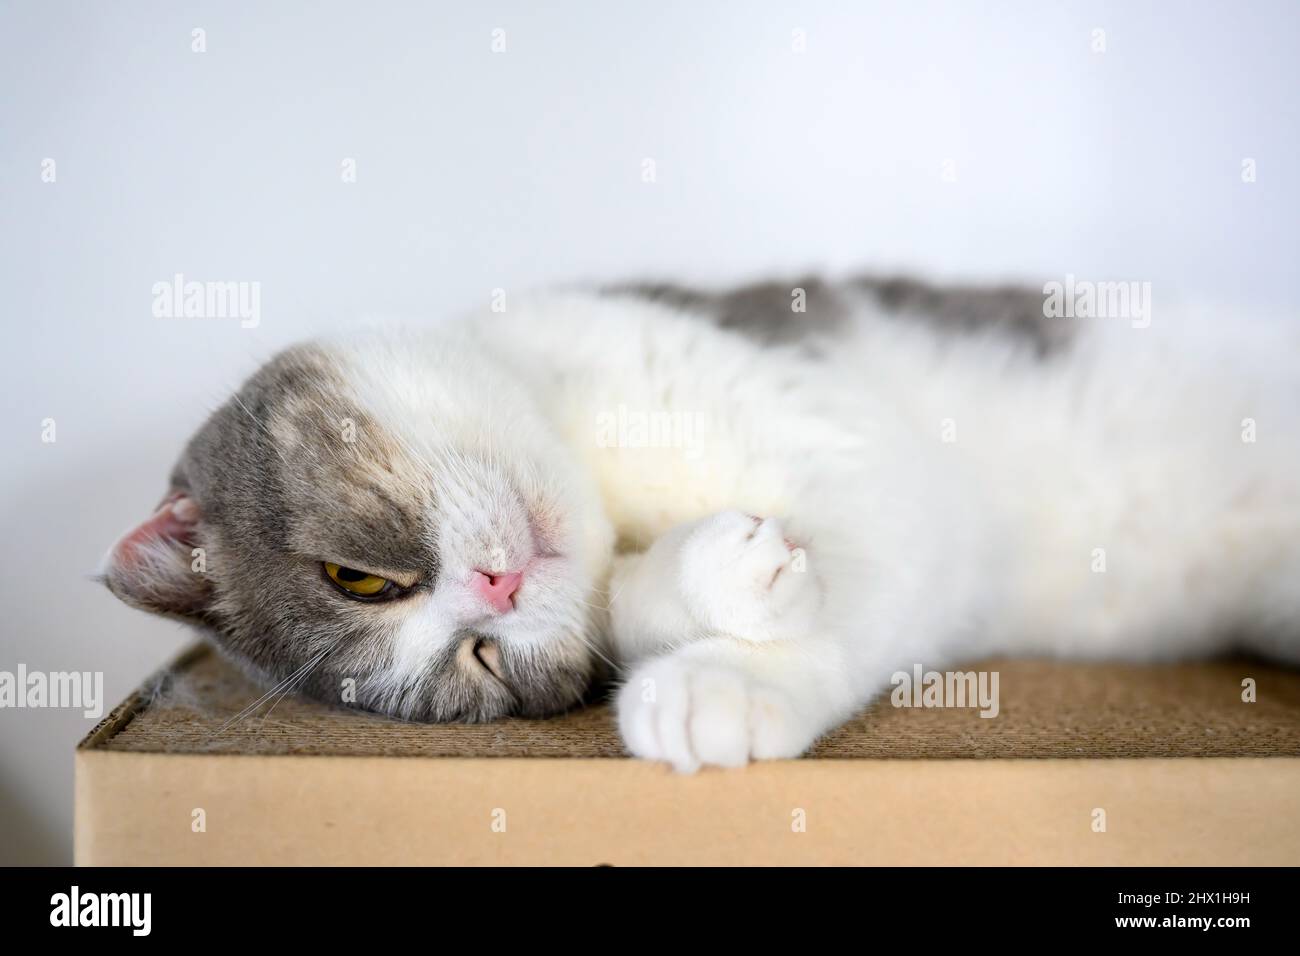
(389,525)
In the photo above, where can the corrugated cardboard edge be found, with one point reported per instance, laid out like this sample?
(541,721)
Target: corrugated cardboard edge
(123,713)
(142,808)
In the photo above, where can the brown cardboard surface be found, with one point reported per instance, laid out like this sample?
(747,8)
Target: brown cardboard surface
(1182,770)
(1047,709)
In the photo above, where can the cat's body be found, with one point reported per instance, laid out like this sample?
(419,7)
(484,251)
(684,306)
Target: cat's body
(1010,484)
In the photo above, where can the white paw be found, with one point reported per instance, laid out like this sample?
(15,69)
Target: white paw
(741,575)
(692,713)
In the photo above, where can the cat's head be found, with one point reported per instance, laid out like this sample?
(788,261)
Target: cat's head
(389,524)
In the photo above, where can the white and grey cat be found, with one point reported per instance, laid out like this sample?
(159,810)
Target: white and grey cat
(755,515)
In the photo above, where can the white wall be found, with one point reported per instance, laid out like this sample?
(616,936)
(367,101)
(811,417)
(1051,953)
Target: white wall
(479,170)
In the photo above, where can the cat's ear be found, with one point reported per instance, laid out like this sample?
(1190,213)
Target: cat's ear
(158,565)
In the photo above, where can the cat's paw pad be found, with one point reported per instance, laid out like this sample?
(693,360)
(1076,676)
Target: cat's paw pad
(742,575)
(694,713)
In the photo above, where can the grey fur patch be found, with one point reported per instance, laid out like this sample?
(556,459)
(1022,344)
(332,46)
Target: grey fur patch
(1010,309)
(763,310)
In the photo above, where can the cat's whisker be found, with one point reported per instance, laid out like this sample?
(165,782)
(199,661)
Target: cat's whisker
(301,680)
(595,650)
(251,708)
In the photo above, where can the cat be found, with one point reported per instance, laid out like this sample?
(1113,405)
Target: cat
(747,509)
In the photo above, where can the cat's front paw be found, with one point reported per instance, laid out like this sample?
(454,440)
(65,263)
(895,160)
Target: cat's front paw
(730,574)
(741,575)
(692,713)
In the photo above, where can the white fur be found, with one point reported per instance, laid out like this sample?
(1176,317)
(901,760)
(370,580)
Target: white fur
(919,549)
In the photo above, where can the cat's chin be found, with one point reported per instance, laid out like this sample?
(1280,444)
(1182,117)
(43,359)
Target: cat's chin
(541,686)
(486,688)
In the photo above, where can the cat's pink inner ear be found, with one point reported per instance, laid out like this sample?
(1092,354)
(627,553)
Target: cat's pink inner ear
(173,523)
(153,565)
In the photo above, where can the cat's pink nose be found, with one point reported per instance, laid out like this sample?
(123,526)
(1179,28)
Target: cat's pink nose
(496,589)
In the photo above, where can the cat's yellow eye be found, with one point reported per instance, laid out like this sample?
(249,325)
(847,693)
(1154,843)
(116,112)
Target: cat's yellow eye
(357,582)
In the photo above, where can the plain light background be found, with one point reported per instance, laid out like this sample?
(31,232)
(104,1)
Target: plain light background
(479,170)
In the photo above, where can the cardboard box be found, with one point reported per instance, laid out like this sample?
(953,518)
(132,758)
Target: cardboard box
(1176,765)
